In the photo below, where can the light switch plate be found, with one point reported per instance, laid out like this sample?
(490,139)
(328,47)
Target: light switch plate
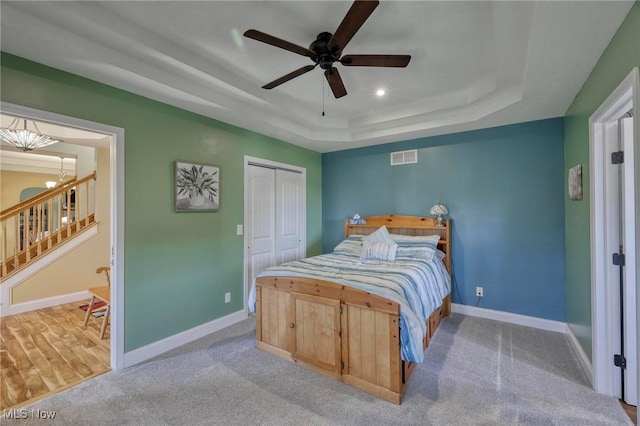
(239,230)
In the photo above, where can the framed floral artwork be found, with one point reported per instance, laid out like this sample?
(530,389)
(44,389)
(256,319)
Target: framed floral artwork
(197,187)
(575,183)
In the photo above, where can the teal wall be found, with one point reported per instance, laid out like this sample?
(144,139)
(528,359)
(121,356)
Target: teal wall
(177,265)
(504,190)
(622,54)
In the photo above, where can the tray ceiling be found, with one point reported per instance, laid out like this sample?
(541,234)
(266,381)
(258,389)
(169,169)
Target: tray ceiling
(474,64)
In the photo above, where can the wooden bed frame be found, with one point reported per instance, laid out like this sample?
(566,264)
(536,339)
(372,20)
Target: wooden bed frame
(342,332)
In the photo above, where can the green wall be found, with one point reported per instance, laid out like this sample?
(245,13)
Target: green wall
(177,265)
(622,54)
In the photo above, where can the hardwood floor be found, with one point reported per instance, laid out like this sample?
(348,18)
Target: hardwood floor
(631,411)
(47,350)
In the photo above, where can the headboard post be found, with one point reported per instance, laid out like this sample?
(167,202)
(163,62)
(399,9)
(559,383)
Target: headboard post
(406,225)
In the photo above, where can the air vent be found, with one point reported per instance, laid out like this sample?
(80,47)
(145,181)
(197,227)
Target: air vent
(404,157)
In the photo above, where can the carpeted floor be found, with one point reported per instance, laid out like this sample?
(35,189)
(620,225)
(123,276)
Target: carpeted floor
(478,372)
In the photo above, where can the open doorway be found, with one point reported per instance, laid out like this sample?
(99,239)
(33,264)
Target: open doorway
(614,242)
(92,147)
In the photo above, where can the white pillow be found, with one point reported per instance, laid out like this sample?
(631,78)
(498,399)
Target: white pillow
(378,251)
(381,235)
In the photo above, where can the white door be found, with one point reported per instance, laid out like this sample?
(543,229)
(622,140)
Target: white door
(629,290)
(288,216)
(260,224)
(274,217)
(619,211)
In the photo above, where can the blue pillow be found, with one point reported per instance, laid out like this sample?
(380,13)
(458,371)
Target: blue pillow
(418,247)
(350,246)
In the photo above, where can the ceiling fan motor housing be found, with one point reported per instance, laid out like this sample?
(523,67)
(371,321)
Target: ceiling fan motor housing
(324,57)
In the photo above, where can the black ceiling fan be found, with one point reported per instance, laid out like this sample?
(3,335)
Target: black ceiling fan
(327,50)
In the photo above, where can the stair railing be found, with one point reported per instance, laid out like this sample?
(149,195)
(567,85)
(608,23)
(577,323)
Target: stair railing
(36,225)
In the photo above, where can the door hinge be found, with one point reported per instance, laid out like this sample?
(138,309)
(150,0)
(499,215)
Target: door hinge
(618,259)
(620,361)
(617,157)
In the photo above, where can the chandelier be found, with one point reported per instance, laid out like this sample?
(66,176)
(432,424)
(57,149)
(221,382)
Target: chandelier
(25,139)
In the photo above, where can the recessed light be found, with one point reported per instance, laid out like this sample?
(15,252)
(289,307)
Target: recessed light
(380,92)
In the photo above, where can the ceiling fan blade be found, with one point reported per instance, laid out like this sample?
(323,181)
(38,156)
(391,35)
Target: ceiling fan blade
(335,82)
(288,77)
(400,61)
(278,42)
(353,20)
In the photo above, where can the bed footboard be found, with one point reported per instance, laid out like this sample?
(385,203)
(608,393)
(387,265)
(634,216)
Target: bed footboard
(345,333)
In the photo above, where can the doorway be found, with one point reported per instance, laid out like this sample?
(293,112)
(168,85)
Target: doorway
(116,216)
(614,240)
(274,216)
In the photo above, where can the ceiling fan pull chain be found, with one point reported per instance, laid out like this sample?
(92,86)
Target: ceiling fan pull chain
(322,95)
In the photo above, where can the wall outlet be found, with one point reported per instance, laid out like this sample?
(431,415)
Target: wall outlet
(479,291)
(227,297)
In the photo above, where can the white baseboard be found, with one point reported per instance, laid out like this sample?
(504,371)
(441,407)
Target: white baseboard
(144,353)
(19,308)
(540,323)
(585,363)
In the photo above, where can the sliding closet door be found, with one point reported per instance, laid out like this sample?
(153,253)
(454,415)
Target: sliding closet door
(261,221)
(288,216)
(274,217)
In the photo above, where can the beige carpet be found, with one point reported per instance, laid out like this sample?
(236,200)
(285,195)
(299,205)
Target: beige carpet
(478,372)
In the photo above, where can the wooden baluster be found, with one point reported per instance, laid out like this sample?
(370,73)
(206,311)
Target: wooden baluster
(87,185)
(77,208)
(69,217)
(49,222)
(26,233)
(16,245)
(38,226)
(59,220)
(4,248)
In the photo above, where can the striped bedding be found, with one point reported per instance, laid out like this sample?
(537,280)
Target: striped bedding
(417,285)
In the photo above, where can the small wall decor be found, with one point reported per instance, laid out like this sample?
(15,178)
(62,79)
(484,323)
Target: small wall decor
(197,187)
(575,183)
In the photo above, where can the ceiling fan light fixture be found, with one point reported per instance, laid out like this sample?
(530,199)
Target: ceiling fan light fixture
(326,50)
(25,139)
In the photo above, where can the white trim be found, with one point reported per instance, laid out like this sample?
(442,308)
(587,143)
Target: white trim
(585,362)
(636,153)
(6,305)
(540,323)
(19,308)
(151,350)
(248,159)
(622,99)
(116,216)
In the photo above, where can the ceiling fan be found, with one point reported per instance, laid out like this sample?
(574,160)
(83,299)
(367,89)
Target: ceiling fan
(326,50)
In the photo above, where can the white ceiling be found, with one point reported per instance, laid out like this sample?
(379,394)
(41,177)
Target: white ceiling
(474,64)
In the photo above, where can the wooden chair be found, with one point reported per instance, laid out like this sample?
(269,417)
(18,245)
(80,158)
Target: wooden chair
(102,293)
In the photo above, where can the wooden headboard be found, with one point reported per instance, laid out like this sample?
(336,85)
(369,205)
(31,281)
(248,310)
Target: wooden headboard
(406,225)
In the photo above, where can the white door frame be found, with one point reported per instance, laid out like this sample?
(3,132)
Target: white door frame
(623,98)
(268,163)
(116,150)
